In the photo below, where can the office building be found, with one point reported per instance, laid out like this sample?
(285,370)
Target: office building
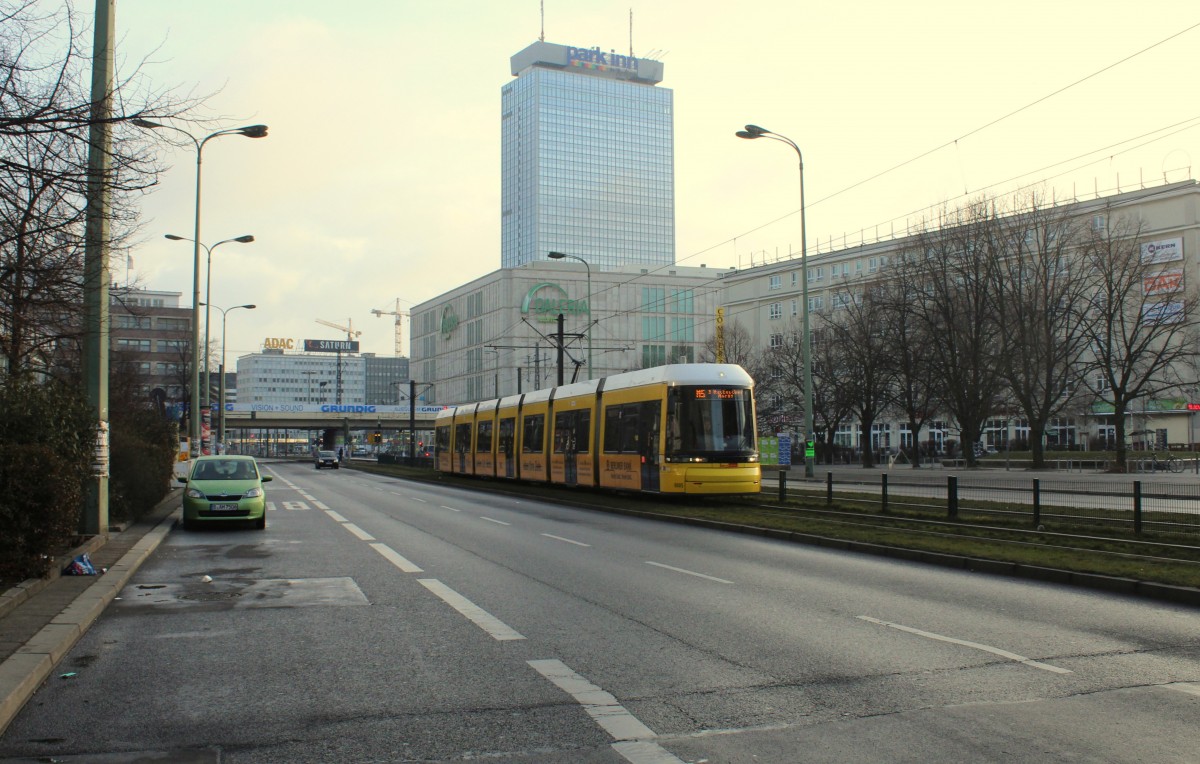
(587,159)
(151,333)
(494,336)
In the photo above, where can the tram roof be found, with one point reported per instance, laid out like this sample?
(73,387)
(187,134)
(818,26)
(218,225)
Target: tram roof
(670,374)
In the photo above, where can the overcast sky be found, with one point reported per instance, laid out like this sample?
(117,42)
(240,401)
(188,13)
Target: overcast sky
(380,179)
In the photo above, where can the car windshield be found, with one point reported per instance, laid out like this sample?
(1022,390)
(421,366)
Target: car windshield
(225,469)
(326,454)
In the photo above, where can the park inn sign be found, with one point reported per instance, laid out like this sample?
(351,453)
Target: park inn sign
(545,301)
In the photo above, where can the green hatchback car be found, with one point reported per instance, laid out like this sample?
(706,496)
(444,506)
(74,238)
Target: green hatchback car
(222,488)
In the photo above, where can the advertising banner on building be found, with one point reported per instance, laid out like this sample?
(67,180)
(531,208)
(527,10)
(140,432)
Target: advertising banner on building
(1166,281)
(1162,251)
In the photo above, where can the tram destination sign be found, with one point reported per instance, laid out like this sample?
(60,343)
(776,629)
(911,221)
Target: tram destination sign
(331,346)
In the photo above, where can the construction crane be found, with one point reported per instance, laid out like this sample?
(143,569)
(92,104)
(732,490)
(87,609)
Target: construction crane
(399,334)
(348,328)
(350,335)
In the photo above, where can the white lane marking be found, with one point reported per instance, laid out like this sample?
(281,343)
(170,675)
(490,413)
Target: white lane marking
(396,559)
(1191,688)
(569,541)
(294,505)
(270,506)
(973,645)
(362,535)
(477,615)
(497,522)
(319,505)
(335,515)
(600,705)
(452,509)
(414,498)
(304,495)
(645,752)
(689,572)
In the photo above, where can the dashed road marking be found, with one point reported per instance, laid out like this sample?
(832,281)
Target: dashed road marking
(569,541)
(973,645)
(396,559)
(634,740)
(688,572)
(363,535)
(477,615)
(497,522)
(335,515)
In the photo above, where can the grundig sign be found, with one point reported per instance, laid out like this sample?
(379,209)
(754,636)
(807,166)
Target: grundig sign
(545,301)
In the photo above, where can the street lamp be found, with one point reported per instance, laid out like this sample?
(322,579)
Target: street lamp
(560,256)
(207,395)
(249,131)
(750,133)
(221,367)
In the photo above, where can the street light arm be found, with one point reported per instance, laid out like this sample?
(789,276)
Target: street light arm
(753,132)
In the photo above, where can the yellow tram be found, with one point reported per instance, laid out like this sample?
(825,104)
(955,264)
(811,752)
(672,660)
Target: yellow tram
(681,428)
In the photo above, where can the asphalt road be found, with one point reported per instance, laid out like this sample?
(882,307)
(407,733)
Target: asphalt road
(379,620)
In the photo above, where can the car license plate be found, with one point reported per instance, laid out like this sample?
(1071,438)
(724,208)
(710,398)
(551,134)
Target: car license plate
(223,508)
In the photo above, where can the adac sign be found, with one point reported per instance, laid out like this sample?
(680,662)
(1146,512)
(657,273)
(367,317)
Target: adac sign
(545,301)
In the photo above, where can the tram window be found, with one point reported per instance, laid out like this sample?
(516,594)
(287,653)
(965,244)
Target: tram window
(710,420)
(533,432)
(508,428)
(583,431)
(483,437)
(564,426)
(462,438)
(621,429)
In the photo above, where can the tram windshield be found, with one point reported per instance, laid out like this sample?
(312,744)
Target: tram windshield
(710,422)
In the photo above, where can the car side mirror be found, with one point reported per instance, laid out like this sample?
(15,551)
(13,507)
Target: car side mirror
(267,478)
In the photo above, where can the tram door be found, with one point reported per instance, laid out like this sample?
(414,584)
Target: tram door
(649,413)
(508,428)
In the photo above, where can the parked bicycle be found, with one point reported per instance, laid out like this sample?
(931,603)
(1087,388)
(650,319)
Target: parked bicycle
(1169,464)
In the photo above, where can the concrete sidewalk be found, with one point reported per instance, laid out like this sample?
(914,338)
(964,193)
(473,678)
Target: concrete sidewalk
(42,619)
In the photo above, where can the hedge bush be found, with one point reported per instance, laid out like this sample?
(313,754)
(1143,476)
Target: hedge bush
(47,433)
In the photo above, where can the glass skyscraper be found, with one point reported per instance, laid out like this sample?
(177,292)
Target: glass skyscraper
(587,160)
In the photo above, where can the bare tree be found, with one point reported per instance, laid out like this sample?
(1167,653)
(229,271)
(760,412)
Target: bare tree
(1041,295)
(739,346)
(45,116)
(919,390)
(952,271)
(1142,328)
(865,355)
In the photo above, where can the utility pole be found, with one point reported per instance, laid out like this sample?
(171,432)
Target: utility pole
(94,518)
(559,339)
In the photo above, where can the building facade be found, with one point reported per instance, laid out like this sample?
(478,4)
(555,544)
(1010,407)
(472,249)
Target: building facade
(496,335)
(766,301)
(587,159)
(152,333)
(276,377)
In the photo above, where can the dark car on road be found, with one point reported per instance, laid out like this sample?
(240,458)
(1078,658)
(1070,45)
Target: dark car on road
(326,459)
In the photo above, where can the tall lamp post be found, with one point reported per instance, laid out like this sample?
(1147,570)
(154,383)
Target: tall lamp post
(249,131)
(221,367)
(206,396)
(561,256)
(750,133)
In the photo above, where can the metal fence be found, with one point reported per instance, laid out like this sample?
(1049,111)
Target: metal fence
(1137,507)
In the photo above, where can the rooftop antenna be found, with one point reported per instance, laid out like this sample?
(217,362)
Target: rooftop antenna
(631,33)
(542,9)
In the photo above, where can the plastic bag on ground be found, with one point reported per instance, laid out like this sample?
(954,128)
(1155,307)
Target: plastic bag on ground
(80,566)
